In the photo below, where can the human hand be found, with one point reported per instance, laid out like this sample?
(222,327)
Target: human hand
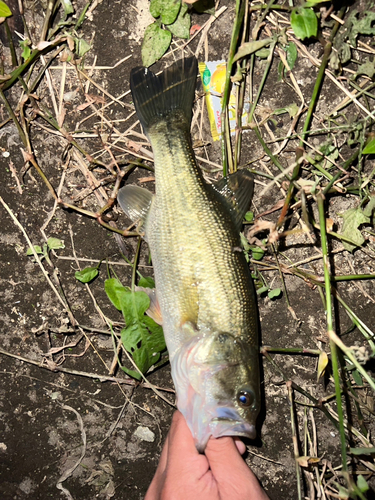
(184,474)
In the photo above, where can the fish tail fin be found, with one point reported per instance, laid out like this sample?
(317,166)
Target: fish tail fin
(158,96)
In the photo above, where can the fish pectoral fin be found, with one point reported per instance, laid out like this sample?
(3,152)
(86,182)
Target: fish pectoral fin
(237,190)
(135,202)
(154,310)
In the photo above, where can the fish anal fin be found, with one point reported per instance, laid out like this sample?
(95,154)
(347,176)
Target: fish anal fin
(237,190)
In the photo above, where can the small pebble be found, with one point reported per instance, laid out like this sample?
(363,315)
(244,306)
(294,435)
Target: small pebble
(144,434)
(70,96)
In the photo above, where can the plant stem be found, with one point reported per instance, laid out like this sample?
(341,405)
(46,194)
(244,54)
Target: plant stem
(135,262)
(333,347)
(14,118)
(225,126)
(294,437)
(313,103)
(346,166)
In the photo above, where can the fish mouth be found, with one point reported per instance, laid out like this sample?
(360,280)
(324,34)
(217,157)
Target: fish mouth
(225,423)
(227,427)
(224,426)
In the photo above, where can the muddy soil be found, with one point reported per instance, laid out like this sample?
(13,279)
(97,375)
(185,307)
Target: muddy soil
(58,401)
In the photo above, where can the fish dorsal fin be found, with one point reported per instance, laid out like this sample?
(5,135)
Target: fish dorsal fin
(237,190)
(135,202)
(157,96)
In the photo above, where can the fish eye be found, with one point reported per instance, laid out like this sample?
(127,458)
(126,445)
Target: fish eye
(245,398)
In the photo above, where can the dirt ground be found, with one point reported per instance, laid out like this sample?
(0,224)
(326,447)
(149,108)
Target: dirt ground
(59,400)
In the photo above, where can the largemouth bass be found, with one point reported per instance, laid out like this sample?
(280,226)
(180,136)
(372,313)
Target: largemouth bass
(203,284)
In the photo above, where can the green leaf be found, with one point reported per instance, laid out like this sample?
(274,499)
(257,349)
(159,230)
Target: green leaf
(362,451)
(142,359)
(155,43)
(367,68)
(81,47)
(357,377)
(273,294)
(292,110)
(142,337)
(68,7)
(244,242)
(370,208)
(257,253)
(369,148)
(249,216)
(131,336)
(205,6)
(343,492)
(329,150)
(167,9)
(133,306)
(291,54)
(304,23)
(26,50)
(362,483)
(156,341)
(262,289)
(263,53)
(280,71)
(363,26)
(353,218)
(114,290)
(55,244)
(87,274)
(4,10)
(334,61)
(181,26)
(312,3)
(37,248)
(131,373)
(344,53)
(146,282)
(250,47)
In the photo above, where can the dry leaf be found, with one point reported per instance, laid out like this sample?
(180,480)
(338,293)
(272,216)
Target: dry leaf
(61,117)
(307,461)
(70,41)
(97,99)
(329,225)
(322,364)
(83,106)
(43,45)
(134,146)
(27,156)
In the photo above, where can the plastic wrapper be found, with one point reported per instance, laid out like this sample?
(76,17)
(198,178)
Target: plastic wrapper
(213,74)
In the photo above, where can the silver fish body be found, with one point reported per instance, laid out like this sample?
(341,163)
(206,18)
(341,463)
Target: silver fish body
(203,283)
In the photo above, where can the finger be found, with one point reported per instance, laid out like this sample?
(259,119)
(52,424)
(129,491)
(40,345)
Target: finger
(183,456)
(181,442)
(158,480)
(231,472)
(240,445)
(164,455)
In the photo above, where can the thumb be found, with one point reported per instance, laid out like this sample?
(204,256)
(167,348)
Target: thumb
(231,472)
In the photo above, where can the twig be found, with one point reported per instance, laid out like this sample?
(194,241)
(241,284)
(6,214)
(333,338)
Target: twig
(36,256)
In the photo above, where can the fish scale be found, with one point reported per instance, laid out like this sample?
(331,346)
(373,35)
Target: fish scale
(190,222)
(203,283)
